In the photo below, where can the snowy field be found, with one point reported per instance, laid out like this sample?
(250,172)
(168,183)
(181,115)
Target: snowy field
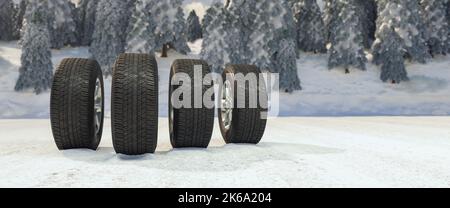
(295,152)
(326,93)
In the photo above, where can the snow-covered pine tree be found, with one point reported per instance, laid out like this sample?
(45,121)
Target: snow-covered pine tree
(87,11)
(240,22)
(393,67)
(214,47)
(37,69)
(194,29)
(448,23)
(272,42)
(108,39)
(389,47)
(330,11)
(413,31)
(75,39)
(157,25)
(434,14)
(142,25)
(7,20)
(177,39)
(20,17)
(253,32)
(131,7)
(309,26)
(347,42)
(285,59)
(367,11)
(62,26)
(448,11)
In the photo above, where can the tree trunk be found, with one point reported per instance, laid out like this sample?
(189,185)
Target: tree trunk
(164,51)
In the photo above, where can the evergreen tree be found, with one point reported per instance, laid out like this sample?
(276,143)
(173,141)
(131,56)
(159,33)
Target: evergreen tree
(367,11)
(272,40)
(240,23)
(193,27)
(347,42)
(130,10)
(87,11)
(37,70)
(108,39)
(413,31)
(286,60)
(166,18)
(61,24)
(330,11)
(75,37)
(214,47)
(7,20)
(448,23)
(310,26)
(172,30)
(434,14)
(20,17)
(141,26)
(253,32)
(393,67)
(389,47)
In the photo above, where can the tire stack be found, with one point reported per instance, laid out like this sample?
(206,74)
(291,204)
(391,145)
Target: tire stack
(77,105)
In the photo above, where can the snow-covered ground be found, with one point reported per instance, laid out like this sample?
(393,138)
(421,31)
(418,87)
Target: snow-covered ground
(295,152)
(326,93)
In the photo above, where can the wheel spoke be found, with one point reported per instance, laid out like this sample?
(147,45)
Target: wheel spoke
(98,105)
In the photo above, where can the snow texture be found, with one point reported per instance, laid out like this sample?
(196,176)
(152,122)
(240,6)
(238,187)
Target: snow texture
(375,152)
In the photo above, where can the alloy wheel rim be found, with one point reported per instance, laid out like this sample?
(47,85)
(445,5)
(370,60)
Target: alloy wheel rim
(98,105)
(227,105)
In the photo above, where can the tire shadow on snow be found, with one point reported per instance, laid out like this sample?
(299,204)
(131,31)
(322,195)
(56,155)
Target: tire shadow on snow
(219,158)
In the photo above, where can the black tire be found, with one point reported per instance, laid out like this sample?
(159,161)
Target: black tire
(247,124)
(72,104)
(134,104)
(190,127)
